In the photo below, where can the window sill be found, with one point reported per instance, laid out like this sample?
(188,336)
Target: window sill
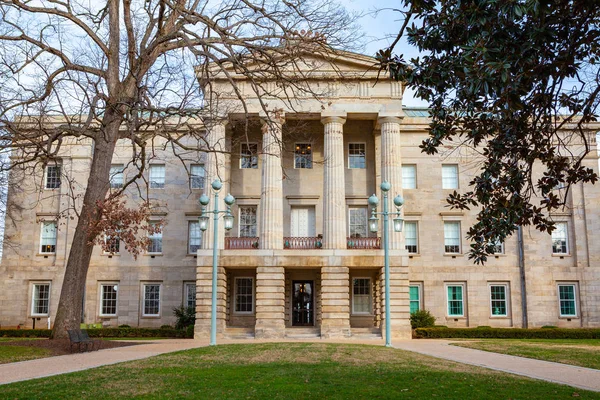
(243,314)
(560,255)
(410,255)
(567,317)
(153,254)
(362,315)
(453,254)
(150,316)
(107,316)
(39,316)
(499,317)
(456,317)
(111,255)
(45,254)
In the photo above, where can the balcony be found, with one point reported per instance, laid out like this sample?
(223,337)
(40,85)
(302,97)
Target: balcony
(296,243)
(364,243)
(241,243)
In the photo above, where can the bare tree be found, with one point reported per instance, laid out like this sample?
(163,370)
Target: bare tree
(73,71)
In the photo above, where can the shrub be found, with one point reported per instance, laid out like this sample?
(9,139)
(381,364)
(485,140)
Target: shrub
(186,316)
(124,326)
(484,327)
(189,331)
(31,333)
(507,333)
(166,327)
(422,319)
(136,332)
(549,327)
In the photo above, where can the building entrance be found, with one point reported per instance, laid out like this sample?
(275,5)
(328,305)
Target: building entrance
(303,308)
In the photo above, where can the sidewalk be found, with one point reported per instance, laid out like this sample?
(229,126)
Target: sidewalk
(580,377)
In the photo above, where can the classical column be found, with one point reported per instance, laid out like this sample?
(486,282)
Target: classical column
(335,302)
(204,301)
(215,167)
(270,302)
(391,168)
(334,187)
(271,197)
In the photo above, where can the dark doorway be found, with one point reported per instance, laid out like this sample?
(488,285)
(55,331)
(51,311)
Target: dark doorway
(303,306)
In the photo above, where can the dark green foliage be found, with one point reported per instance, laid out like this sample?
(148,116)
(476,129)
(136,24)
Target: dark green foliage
(549,327)
(124,326)
(186,316)
(421,319)
(102,333)
(506,333)
(189,331)
(31,333)
(166,327)
(519,80)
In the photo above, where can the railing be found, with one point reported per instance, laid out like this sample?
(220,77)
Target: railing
(302,243)
(365,243)
(240,243)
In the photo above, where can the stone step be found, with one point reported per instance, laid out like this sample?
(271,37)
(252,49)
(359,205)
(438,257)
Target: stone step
(302,333)
(366,333)
(239,333)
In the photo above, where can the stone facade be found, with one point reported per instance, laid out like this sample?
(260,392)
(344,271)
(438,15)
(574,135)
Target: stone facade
(306,261)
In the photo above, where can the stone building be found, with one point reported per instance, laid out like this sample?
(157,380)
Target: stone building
(300,259)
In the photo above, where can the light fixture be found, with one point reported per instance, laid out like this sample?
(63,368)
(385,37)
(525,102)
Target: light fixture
(203,221)
(374,224)
(228,221)
(398,222)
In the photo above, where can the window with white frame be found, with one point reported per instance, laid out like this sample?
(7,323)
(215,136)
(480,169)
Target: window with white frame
(450,176)
(452,237)
(116,176)
(411,236)
(560,239)
(357,155)
(499,299)
(247,221)
(155,240)
(455,300)
(357,222)
(194,237)
(567,299)
(108,299)
(244,295)
(52,180)
(361,296)
(190,295)
(40,300)
(498,247)
(415,295)
(197,176)
(303,156)
(249,156)
(409,176)
(113,244)
(157,176)
(151,300)
(48,237)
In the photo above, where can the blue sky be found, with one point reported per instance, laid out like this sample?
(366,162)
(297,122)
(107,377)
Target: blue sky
(380,25)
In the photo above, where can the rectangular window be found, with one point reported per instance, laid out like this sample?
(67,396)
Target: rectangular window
(53,176)
(247,221)
(190,295)
(249,156)
(357,222)
(303,156)
(357,155)
(244,295)
(499,247)
(414,292)
(151,300)
(455,301)
(567,300)
(155,244)
(361,296)
(409,177)
(499,300)
(113,244)
(108,299)
(452,237)
(116,176)
(450,176)
(411,236)
(197,176)
(194,237)
(48,237)
(40,302)
(560,239)
(157,176)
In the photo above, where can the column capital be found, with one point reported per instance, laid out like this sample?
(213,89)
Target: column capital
(277,116)
(382,119)
(328,119)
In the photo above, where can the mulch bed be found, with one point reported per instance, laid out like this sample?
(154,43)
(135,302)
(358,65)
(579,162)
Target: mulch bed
(60,347)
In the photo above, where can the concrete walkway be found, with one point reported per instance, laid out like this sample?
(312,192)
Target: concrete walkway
(580,377)
(584,378)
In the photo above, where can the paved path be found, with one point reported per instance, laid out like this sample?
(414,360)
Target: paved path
(583,378)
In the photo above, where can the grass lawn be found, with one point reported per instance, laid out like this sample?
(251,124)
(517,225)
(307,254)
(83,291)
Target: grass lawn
(580,352)
(291,371)
(10,354)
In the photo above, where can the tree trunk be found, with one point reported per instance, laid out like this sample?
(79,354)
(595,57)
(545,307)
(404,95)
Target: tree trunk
(68,315)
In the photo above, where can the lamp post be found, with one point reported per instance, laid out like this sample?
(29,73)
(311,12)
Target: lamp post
(374,227)
(228,222)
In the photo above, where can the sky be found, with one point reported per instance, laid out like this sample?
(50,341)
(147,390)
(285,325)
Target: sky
(380,24)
